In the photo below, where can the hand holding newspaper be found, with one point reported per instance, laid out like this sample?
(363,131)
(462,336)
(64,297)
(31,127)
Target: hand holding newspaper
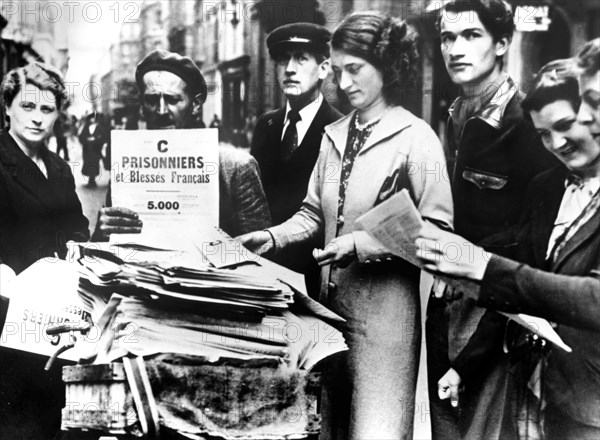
(397,223)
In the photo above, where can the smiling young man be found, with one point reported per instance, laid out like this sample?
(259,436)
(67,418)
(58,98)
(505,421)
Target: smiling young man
(286,141)
(493,153)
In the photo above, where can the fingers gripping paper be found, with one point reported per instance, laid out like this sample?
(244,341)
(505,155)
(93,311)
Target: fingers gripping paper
(395,223)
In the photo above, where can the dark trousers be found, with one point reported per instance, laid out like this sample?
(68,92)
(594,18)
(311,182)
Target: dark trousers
(31,399)
(61,145)
(444,418)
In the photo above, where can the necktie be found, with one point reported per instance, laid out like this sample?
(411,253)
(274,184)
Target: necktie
(289,143)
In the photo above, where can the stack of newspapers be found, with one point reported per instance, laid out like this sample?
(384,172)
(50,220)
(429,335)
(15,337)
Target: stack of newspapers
(155,304)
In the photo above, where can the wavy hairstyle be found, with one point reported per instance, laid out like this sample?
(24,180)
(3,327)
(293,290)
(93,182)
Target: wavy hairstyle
(495,15)
(43,76)
(588,59)
(387,42)
(555,81)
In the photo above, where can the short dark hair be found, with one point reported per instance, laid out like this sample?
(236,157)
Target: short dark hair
(386,42)
(588,58)
(41,75)
(495,15)
(555,81)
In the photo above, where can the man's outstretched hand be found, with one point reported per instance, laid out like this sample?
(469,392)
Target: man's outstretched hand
(117,220)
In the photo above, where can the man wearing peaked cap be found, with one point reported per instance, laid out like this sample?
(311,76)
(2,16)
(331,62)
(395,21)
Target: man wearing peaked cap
(173,90)
(309,36)
(286,141)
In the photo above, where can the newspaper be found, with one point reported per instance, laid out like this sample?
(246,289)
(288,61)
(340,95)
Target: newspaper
(43,295)
(395,222)
(170,178)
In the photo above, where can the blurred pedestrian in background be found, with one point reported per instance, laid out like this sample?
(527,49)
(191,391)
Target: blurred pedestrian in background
(61,127)
(93,136)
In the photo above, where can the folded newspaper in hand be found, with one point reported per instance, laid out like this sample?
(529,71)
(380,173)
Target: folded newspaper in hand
(396,224)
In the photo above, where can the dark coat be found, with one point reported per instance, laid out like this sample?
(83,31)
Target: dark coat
(566,292)
(491,167)
(91,147)
(285,183)
(38,214)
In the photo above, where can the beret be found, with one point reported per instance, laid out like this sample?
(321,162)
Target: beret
(313,36)
(179,65)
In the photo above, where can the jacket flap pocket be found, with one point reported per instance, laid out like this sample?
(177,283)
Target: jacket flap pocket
(484,180)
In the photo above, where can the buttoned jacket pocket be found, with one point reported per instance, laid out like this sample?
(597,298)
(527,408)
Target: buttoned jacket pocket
(484,179)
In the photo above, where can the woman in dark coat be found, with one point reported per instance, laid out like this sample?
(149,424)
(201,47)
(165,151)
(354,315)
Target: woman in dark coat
(39,213)
(92,138)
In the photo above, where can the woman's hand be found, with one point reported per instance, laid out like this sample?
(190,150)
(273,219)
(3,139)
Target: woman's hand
(259,242)
(115,220)
(339,252)
(447,253)
(449,387)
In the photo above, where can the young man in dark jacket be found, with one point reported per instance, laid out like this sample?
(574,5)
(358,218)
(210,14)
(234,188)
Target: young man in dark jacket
(494,152)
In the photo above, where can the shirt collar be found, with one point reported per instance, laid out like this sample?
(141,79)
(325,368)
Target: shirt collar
(591,184)
(308,112)
(493,111)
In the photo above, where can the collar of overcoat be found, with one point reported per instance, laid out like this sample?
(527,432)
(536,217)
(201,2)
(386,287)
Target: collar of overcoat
(26,173)
(585,233)
(547,206)
(393,121)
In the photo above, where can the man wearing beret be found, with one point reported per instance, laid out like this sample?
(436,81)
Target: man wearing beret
(286,141)
(173,90)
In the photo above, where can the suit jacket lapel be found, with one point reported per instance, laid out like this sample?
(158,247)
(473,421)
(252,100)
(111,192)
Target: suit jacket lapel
(546,212)
(316,129)
(584,233)
(338,132)
(276,123)
(26,173)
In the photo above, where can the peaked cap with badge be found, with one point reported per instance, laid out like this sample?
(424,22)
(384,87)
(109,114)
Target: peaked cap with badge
(311,36)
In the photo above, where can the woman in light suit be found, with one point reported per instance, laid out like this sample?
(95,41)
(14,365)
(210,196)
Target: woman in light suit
(366,157)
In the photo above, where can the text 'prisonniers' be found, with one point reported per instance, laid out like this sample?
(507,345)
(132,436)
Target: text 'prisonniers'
(184,162)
